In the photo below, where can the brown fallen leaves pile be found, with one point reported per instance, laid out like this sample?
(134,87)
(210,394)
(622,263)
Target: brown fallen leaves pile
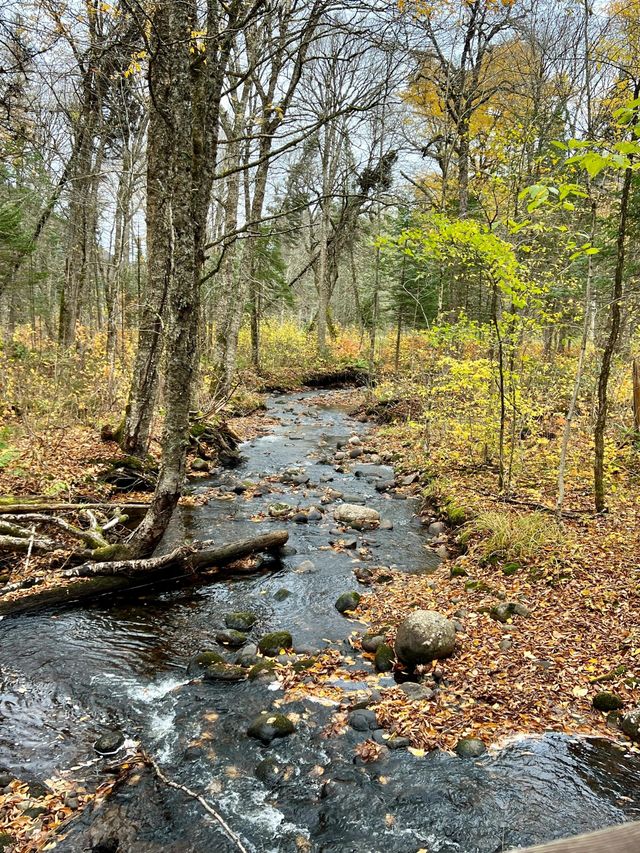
(33,823)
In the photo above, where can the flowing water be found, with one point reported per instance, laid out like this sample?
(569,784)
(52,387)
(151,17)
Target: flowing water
(68,673)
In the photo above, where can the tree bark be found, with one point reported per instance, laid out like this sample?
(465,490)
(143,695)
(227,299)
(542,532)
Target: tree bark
(612,340)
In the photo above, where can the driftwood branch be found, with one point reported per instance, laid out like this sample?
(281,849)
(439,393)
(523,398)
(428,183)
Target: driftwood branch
(231,835)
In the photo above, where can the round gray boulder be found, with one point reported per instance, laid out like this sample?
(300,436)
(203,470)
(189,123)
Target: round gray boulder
(425,636)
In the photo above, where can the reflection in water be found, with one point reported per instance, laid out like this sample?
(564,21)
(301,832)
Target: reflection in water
(68,673)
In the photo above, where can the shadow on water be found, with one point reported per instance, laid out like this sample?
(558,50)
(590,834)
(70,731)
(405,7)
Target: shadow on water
(68,673)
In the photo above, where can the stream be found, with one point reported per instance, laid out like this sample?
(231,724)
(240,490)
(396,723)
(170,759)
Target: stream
(70,672)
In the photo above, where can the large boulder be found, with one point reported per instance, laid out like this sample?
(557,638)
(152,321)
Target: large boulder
(425,636)
(359,517)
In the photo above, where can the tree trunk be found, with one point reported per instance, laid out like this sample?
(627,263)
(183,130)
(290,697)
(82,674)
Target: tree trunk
(172,32)
(612,340)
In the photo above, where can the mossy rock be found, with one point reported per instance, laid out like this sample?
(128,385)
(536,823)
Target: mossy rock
(225,672)
(200,662)
(348,601)
(385,657)
(510,569)
(458,572)
(231,638)
(280,510)
(261,668)
(456,515)
(607,702)
(271,644)
(240,620)
(6,841)
(267,726)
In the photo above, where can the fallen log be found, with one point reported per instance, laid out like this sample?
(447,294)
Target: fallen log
(191,558)
(91,580)
(22,508)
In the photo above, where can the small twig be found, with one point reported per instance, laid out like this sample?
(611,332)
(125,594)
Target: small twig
(231,835)
(31,541)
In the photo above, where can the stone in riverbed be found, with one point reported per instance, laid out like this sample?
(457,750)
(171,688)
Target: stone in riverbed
(280,510)
(470,747)
(199,465)
(109,743)
(199,663)
(416,692)
(424,636)
(390,740)
(282,594)
(363,720)
(224,672)
(231,638)
(267,726)
(270,771)
(262,669)
(247,655)
(607,702)
(347,601)
(271,644)
(630,724)
(358,517)
(371,643)
(385,657)
(240,620)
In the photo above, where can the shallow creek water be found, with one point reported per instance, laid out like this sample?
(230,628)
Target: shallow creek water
(67,673)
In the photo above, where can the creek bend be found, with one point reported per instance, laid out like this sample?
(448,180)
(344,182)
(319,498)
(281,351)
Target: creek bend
(70,672)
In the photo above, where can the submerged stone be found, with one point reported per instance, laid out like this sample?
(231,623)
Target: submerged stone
(240,620)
